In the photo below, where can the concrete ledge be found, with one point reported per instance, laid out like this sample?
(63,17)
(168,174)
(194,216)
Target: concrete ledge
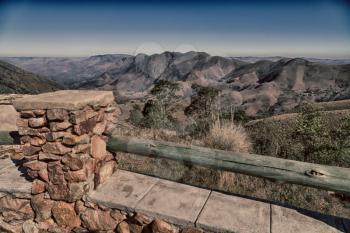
(211,211)
(123,190)
(12,181)
(290,221)
(226,213)
(8,118)
(174,202)
(67,99)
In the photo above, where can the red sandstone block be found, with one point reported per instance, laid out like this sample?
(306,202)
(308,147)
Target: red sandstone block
(98,147)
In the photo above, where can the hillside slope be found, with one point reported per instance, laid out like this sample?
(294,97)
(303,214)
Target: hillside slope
(16,80)
(65,70)
(282,85)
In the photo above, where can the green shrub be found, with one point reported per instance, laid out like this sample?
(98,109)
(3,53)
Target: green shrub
(310,133)
(202,110)
(136,116)
(157,111)
(311,136)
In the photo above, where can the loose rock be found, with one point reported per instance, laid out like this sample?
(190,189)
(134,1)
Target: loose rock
(29,227)
(159,226)
(35,165)
(56,174)
(38,186)
(98,147)
(59,126)
(42,207)
(74,161)
(39,112)
(37,141)
(44,175)
(192,230)
(56,148)
(27,114)
(37,122)
(59,192)
(82,148)
(123,227)
(71,140)
(95,220)
(76,176)
(105,172)
(22,122)
(22,206)
(57,114)
(49,157)
(65,215)
(29,150)
(85,126)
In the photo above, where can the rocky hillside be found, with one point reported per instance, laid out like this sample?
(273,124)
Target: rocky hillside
(16,80)
(133,77)
(261,88)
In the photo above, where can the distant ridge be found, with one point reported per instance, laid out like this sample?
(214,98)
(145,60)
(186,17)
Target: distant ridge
(252,59)
(16,80)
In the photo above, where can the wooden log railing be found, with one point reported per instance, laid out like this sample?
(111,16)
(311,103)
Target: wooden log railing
(330,178)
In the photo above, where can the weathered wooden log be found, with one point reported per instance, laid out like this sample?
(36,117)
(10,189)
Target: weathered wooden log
(9,138)
(280,170)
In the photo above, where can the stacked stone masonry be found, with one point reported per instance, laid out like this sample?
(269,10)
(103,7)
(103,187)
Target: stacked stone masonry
(63,136)
(37,213)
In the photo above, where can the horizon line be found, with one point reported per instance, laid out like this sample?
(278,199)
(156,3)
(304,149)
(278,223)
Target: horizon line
(125,54)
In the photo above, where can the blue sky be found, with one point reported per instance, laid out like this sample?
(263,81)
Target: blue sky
(227,28)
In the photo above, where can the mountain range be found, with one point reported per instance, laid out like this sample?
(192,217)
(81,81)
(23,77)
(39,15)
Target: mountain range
(270,85)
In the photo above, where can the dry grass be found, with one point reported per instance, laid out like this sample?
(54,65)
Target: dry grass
(227,136)
(334,105)
(154,134)
(231,137)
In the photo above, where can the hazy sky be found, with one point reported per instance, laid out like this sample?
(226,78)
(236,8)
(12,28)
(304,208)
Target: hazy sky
(314,28)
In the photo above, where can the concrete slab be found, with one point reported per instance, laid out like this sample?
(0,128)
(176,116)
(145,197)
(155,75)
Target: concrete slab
(226,213)
(11,179)
(123,190)
(6,163)
(67,99)
(8,118)
(289,221)
(174,202)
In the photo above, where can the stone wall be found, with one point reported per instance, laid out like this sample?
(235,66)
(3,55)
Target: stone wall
(37,213)
(64,148)
(63,140)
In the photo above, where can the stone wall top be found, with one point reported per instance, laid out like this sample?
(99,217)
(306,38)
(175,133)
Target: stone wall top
(8,118)
(66,99)
(7,99)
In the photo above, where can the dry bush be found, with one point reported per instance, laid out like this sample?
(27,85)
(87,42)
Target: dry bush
(153,134)
(228,136)
(231,137)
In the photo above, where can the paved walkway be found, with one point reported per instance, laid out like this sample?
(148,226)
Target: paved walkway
(187,205)
(210,210)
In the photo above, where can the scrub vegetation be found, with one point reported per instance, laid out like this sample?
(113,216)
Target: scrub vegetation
(310,134)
